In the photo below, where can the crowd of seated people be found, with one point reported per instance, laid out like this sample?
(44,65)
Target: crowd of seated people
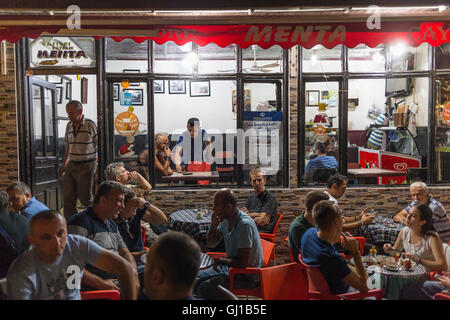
(101,247)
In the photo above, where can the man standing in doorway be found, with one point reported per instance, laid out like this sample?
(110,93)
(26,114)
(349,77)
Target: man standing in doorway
(80,165)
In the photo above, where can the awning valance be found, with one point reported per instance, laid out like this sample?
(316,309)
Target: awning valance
(267,35)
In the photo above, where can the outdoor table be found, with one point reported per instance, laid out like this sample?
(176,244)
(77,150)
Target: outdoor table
(382,230)
(392,281)
(206,261)
(190,222)
(366,175)
(192,176)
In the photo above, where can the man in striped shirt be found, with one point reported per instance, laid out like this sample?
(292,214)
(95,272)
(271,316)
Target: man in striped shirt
(376,136)
(441,220)
(80,165)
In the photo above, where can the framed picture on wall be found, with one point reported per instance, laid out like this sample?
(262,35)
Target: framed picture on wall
(137,96)
(158,86)
(199,88)
(59,91)
(69,90)
(312,98)
(177,86)
(116,92)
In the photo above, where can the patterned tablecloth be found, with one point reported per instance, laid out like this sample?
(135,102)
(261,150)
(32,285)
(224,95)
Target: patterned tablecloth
(382,230)
(190,222)
(392,282)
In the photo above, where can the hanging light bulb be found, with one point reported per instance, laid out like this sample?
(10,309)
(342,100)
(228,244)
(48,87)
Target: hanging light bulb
(398,49)
(314,59)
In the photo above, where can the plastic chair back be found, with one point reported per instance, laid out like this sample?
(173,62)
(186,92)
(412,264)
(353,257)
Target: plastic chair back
(289,248)
(195,166)
(284,282)
(100,295)
(317,284)
(441,296)
(271,236)
(268,249)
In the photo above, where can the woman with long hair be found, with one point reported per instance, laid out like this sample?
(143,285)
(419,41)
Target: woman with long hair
(420,240)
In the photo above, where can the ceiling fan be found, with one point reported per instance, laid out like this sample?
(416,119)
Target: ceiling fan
(255,67)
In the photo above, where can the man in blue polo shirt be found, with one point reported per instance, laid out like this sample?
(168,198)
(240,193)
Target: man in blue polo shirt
(97,224)
(22,201)
(242,246)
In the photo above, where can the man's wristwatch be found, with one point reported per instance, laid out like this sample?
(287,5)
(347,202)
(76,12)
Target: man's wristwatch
(146,205)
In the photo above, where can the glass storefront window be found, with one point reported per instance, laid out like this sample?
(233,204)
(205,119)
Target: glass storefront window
(405,58)
(386,132)
(131,126)
(263,128)
(442,138)
(258,60)
(214,59)
(210,101)
(365,59)
(443,56)
(322,122)
(174,59)
(47,52)
(321,59)
(126,56)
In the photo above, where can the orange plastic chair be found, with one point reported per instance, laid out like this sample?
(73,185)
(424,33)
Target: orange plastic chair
(100,295)
(289,248)
(441,296)
(268,249)
(271,236)
(282,282)
(318,288)
(195,166)
(143,235)
(362,242)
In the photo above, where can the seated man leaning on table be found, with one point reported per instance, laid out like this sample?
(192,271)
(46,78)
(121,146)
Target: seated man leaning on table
(318,251)
(336,186)
(97,223)
(129,222)
(116,172)
(163,155)
(22,201)
(242,246)
(53,266)
(262,205)
(441,220)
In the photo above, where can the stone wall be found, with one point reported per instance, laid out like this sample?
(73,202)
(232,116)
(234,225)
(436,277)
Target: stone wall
(386,201)
(8,125)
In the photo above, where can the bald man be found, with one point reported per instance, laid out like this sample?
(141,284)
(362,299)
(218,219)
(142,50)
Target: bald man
(419,193)
(242,245)
(80,161)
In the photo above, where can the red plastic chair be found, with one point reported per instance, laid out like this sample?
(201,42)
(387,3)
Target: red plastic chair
(143,235)
(318,287)
(271,236)
(268,249)
(283,282)
(289,248)
(100,295)
(362,242)
(195,166)
(441,296)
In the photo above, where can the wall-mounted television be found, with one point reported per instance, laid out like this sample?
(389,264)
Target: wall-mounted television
(397,87)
